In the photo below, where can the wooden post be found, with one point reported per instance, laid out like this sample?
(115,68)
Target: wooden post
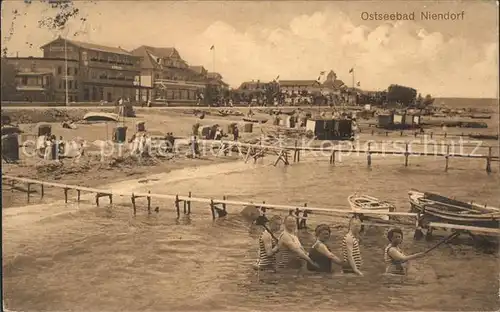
(488,161)
(431,134)
(295,152)
(406,155)
(189,204)
(401,132)
(297,221)
(177,206)
(110,199)
(78,195)
(415,133)
(184,203)
(298,154)
(332,157)
(97,199)
(224,204)
(12,184)
(29,191)
(133,204)
(387,133)
(369,155)
(303,224)
(445,134)
(149,202)
(447,155)
(66,195)
(212,208)
(42,191)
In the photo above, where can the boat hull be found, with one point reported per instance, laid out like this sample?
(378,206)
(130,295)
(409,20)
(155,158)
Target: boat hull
(364,202)
(459,213)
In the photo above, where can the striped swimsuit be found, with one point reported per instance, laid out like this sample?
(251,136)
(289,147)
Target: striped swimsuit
(265,261)
(356,254)
(287,259)
(393,266)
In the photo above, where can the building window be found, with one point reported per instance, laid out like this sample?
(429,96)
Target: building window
(59,70)
(60,84)
(24,81)
(70,84)
(68,71)
(86,94)
(76,84)
(76,71)
(76,98)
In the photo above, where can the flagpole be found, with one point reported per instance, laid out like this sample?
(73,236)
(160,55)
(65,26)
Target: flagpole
(213,59)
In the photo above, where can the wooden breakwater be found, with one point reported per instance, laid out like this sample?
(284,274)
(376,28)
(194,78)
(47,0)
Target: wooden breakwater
(218,208)
(178,199)
(283,152)
(431,134)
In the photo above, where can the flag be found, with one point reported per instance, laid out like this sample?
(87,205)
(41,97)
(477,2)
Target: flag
(351,70)
(212,47)
(358,84)
(277,77)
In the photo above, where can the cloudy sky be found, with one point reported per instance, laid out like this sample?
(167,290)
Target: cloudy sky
(296,40)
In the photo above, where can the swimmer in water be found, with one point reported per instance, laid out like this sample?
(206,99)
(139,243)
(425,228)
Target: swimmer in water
(291,253)
(350,249)
(320,253)
(395,260)
(268,246)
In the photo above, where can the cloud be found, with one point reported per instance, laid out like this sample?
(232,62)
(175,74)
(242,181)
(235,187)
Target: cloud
(403,52)
(390,53)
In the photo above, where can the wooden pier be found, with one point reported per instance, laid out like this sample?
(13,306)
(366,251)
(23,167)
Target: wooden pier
(282,152)
(218,208)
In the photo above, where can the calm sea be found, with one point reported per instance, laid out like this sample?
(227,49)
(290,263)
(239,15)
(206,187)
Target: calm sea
(69,257)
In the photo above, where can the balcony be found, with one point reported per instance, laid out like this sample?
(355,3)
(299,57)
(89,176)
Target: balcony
(101,63)
(165,83)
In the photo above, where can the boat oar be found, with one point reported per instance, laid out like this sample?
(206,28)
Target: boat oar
(262,220)
(447,239)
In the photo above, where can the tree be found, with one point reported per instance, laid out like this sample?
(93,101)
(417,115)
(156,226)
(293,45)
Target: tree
(8,80)
(56,19)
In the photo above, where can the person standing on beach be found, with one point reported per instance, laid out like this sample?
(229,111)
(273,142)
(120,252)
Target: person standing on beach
(236,133)
(350,249)
(291,253)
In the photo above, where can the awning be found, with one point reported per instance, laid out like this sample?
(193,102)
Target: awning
(30,88)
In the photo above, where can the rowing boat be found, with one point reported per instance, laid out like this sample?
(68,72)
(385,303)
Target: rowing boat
(437,208)
(365,202)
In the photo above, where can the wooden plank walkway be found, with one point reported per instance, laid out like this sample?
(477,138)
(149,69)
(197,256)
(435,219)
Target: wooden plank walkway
(292,210)
(299,208)
(281,152)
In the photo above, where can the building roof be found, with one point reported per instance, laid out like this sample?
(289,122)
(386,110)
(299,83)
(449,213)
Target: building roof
(336,84)
(150,55)
(253,85)
(91,46)
(291,83)
(214,76)
(42,59)
(198,69)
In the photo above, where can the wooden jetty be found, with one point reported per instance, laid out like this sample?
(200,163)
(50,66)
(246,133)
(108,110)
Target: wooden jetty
(283,152)
(218,208)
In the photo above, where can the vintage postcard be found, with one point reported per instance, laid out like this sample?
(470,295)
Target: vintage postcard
(250,155)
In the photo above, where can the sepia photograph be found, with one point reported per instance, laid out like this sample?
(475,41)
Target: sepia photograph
(250,155)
